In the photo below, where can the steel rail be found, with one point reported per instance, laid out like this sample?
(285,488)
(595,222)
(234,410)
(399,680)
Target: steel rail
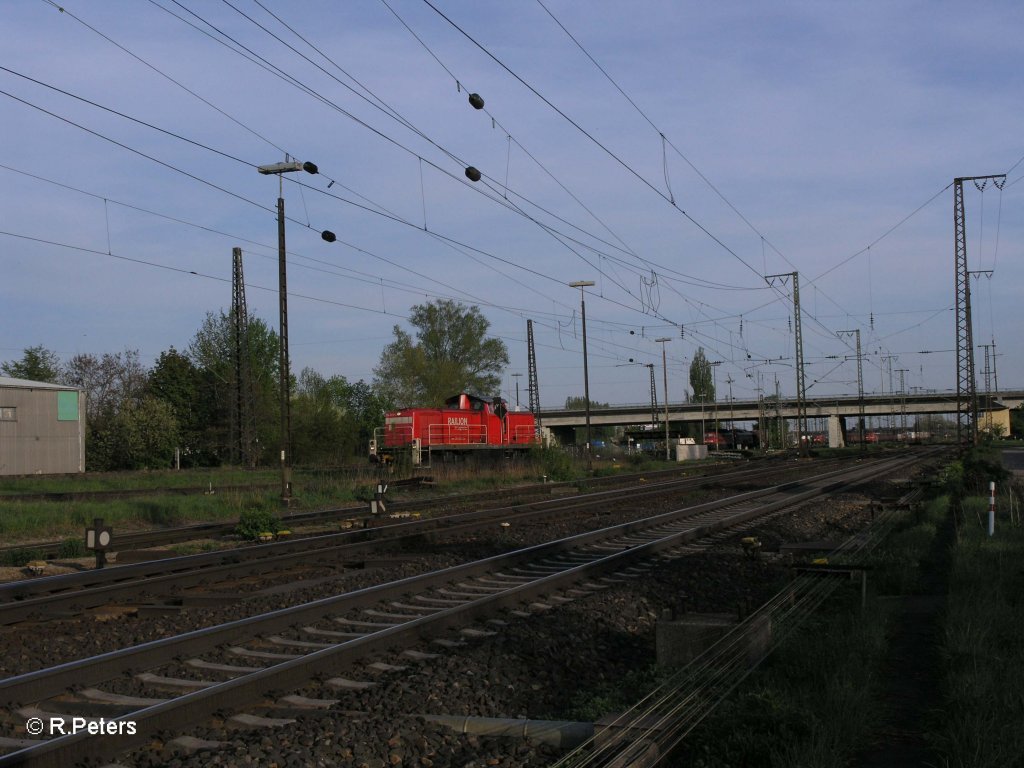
(154,537)
(23,599)
(235,693)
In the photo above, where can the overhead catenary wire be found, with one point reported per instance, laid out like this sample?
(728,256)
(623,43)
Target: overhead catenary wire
(189,11)
(664,140)
(624,276)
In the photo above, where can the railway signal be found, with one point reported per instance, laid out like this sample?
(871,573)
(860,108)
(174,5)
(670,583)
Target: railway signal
(98,538)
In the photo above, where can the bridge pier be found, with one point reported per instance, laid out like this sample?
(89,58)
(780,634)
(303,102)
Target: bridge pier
(835,432)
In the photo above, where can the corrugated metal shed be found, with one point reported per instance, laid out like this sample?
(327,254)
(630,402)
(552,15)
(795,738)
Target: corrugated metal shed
(42,428)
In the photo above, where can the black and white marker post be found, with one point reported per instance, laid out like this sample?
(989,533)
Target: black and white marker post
(98,538)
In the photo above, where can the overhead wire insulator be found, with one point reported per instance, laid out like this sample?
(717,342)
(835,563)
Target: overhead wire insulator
(476,101)
(472,174)
(309,167)
(329,236)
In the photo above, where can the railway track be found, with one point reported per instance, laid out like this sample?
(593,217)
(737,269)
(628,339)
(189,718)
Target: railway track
(134,540)
(234,666)
(148,582)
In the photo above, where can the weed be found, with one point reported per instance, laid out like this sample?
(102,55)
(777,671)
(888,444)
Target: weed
(253,522)
(555,464)
(18,558)
(71,548)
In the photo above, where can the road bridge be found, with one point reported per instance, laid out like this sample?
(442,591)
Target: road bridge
(992,410)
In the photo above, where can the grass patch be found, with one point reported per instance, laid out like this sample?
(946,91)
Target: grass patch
(896,566)
(809,704)
(983,650)
(814,702)
(18,558)
(131,481)
(28,521)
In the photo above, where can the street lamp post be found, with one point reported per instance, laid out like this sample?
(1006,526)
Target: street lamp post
(279,169)
(714,389)
(664,368)
(703,433)
(581,284)
(654,396)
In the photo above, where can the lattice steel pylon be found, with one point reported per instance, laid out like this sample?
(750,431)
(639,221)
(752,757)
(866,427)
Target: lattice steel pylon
(801,381)
(243,428)
(966,392)
(532,377)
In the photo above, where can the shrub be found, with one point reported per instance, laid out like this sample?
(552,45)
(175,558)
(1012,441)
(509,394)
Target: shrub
(253,522)
(71,548)
(18,558)
(555,463)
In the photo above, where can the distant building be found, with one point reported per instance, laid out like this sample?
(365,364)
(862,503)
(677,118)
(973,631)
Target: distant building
(42,428)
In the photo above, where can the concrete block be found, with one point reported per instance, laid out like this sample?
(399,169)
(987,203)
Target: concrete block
(691,452)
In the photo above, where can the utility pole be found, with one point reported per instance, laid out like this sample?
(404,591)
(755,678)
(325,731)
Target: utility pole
(581,284)
(801,385)
(995,369)
(664,367)
(987,375)
(714,388)
(732,413)
(761,433)
(532,378)
(517,376)
(966,394)
(903,400)
(860,384)
(778,413)
(887,366)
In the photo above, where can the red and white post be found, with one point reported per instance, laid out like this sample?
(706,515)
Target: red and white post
(991,508)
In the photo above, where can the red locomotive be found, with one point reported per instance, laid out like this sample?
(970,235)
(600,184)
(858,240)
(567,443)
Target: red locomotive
(466,425)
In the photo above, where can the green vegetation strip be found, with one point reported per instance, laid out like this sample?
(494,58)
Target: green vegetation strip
(982,722)
(816,701)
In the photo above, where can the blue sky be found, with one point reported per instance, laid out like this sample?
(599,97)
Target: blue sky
(765,139)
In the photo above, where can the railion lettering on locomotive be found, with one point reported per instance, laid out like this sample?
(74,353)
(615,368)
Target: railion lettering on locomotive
(458,421)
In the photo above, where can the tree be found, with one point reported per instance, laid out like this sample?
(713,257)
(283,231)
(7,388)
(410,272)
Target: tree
(141,435)
(176,381)
(109,381)
(37,364)
(333,419)
(451,354)
(112,384)
(322,433)
(211,352)
(701,381)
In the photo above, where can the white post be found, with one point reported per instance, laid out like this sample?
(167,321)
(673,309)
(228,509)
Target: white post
(991,508)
